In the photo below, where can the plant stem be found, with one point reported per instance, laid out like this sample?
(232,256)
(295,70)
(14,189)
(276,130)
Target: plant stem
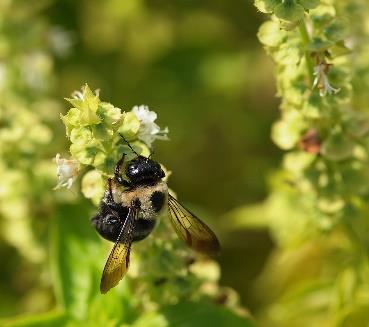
(305,41)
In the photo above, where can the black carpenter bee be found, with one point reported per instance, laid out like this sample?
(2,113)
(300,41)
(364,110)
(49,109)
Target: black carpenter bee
(130,209)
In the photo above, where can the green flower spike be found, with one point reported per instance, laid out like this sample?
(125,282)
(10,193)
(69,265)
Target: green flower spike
(95,128)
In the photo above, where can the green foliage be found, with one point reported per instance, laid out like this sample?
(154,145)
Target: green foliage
(77,259)
(61,257)
(200,64)
(49,319)
(290,10)
(25,72)
(319,199)
(192,314)
(77,255)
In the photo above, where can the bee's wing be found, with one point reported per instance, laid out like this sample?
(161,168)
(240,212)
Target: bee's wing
(191,229)
(117,264)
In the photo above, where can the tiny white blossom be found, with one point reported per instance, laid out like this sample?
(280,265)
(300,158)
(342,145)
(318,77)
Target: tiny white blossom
(66,171)
(149,131)
(321,80)
(78,95)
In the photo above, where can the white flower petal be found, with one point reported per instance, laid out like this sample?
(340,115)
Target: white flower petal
(322,82)
(149,131)
(66,171)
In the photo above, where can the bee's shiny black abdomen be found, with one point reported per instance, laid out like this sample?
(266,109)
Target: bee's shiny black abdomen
(109,222)
(142,229)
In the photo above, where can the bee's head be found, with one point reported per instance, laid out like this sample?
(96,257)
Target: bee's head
(143,170)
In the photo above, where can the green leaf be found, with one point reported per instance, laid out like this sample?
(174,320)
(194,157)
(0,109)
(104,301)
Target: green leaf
(151,319)
(289,11)
(77,259)
(75,255)
(49,319)
(193,314)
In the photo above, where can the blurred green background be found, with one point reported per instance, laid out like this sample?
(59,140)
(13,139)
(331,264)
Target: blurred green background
(199,65)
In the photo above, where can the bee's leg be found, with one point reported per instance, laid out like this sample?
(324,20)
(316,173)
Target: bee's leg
(109,199)
(117,173)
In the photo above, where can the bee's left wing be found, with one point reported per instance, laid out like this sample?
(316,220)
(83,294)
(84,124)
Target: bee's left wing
(117,264)
(191,229)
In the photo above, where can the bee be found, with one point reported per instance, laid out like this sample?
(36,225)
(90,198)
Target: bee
(130,210)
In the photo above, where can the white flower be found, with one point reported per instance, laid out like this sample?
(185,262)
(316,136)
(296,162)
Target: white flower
(66,171)
(149,131)
(321,80)
(80,94)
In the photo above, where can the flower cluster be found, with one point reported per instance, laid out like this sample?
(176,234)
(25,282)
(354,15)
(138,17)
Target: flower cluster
(319,198)
(25,131)
(310,102)
(95,129)
(289,12)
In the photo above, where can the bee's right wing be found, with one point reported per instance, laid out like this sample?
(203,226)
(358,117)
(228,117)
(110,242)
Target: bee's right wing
(117,264)
(191,229)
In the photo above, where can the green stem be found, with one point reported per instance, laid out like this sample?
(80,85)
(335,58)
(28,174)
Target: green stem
(305,41)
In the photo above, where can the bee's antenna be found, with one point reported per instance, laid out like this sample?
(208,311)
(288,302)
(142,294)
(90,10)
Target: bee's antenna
(151,154)
(129,145)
